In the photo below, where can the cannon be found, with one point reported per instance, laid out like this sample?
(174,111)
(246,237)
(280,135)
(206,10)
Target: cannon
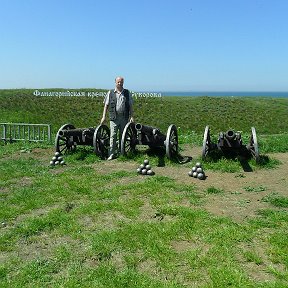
(230,144)
(138,134)
(68,137)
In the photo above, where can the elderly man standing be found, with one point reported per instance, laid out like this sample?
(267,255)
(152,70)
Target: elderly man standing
(119,103)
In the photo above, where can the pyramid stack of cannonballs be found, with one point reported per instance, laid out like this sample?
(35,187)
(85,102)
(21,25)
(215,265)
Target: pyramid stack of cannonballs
(57,159)
(145,168)
(197,171)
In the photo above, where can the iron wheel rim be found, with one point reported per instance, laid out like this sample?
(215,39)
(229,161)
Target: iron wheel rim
(101,139)
(128,139)
(64,144)
(254,145)
(206,142)
(171,142)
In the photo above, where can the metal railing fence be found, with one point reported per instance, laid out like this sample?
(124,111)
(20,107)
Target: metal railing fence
(25,132)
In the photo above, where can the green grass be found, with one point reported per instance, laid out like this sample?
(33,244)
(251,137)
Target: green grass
(189,114)
(276,200)
(84,225)
(273,143)
(79,226)
(214,190)
(255,189)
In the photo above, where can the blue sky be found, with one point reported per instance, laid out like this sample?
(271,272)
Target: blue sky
(207,45)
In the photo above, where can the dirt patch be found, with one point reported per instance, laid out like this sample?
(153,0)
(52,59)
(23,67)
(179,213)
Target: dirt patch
(258,270)
(181,246)
(42,246)
(103,221)
(115,165)
(242,193)
(240,197)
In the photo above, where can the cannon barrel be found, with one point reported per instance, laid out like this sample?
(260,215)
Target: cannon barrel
(76,132)
(146,129)
(69,133)
(230,135)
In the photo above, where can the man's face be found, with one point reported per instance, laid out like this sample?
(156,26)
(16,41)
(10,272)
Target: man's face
(119,83)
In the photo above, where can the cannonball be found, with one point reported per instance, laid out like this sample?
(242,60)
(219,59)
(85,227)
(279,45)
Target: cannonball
(190,173)
(62,162)
(57,154)
(201,176)
(146,162)
(194,169)
(194,174)
(150,172)
(54,158)
(148,167)
(144,171)
(198,164)
(142,166)
(139,170)
(199,170)
(57,162)
(52,163)
(60,158)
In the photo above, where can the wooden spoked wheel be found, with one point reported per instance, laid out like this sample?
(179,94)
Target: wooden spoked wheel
(64,144)
(128,141)
(171,142)
(253,145)
(206,142)
(101,141)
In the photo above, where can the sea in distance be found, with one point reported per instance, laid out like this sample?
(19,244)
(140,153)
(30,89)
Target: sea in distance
(227,93)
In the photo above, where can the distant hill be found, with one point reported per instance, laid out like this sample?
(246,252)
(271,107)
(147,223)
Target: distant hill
(268,115)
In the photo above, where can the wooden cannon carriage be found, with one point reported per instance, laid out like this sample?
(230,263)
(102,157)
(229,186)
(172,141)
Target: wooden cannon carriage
(138,134)
(230,144)
(68,137)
